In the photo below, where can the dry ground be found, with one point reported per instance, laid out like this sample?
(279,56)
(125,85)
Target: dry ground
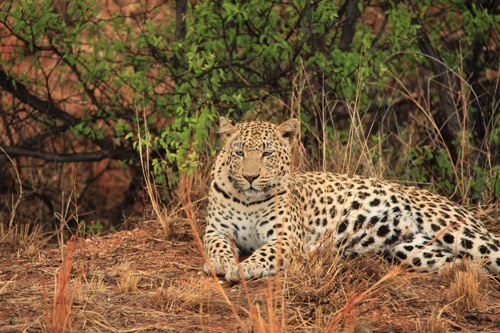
(136,281)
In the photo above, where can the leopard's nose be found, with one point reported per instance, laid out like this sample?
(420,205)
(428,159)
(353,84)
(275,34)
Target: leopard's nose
(251,178)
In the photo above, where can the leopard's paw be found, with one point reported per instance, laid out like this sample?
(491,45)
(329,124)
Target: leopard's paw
(238,273)
(219,267)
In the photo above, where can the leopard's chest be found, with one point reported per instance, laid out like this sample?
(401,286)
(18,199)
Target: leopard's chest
(247,225)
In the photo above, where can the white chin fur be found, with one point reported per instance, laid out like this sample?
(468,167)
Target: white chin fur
(253,193)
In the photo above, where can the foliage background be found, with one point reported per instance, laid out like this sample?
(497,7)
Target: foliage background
(401,90)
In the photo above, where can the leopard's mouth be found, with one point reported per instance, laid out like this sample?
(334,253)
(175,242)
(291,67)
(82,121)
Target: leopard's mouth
(252,192)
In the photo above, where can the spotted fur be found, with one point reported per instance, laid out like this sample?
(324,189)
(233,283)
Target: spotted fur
(256,205)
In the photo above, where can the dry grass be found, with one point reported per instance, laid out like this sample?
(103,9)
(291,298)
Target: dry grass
(128,281)
(193,295)
(26,239)
(464,292)
(465,281)
(58,312)
(328,296)
(435,323)
(89,287)
(15,234)
(143,141)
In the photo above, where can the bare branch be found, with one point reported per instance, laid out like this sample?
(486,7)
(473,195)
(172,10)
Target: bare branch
(54,157)
(349,26)
(180,24)
(449,117)
(19,91)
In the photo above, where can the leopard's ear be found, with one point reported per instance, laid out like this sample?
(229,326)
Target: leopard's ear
(289,130)
(226,129)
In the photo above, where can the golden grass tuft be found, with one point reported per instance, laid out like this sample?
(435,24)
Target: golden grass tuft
(435,323)
(129,280)
(326,291)
(194,295)
(464,290)
(90,286)
(16,234)
(25,239)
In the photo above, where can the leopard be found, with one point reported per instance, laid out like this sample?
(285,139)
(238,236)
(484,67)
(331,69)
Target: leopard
(259,208)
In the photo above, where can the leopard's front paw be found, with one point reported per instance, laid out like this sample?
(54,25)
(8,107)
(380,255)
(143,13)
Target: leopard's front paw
(220,267)
(238,273)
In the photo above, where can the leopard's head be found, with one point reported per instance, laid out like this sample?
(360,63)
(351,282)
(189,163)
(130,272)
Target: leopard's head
(257,154)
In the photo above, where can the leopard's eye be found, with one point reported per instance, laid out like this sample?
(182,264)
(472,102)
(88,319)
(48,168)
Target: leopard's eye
(267,153)
(239,152)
